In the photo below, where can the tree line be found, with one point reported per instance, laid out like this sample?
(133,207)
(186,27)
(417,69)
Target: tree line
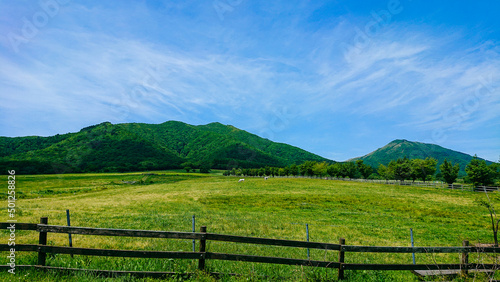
(478,171)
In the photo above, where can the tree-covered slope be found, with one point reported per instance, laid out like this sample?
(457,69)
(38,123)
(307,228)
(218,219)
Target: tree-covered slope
(220,145)
(414,150)
(139,146)
(104,147)
(280,150)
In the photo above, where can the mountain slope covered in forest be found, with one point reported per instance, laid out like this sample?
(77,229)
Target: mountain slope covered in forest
(414,150)
(139,146)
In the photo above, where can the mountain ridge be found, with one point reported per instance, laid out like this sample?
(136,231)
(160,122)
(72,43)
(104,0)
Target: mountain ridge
(401,148)
(140,146)
(108,147)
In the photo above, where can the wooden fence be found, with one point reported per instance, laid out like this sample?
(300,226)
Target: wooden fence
(203,255)
(431,184)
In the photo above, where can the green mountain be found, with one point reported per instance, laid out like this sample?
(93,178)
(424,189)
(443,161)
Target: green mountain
(138,146)
(414,150)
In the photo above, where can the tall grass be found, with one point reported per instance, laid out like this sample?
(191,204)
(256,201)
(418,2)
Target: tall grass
(362,213)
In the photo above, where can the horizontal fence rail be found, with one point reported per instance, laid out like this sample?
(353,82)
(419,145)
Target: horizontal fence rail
(354,266)
(427,250)
(183,235)
(118,232)
(203,255)
(273,242)
(431,184)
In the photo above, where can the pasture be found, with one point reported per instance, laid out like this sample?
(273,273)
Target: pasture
(362,213)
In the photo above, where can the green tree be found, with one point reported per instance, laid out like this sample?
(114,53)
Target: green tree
(449,171)
(274,171)
(333,170)
(349,169)
(306,168)
(495,167)
(187,166)
(343,170)
(294,170)
(281,171)
(262,171)
(364,169)
(286,171)
(401,168)
(267,171)
(479,173)
(320,169)
(205,168)
(423,168)
(385,172)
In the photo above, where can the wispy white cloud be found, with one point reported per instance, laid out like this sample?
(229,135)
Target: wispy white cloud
(122,78)
(414,76)
(265,67)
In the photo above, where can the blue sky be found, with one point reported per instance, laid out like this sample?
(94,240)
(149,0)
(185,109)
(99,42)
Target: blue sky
(337,78)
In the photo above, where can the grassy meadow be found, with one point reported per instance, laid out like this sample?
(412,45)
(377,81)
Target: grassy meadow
(362,213)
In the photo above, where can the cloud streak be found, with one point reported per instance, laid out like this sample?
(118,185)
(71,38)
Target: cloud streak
(260,66)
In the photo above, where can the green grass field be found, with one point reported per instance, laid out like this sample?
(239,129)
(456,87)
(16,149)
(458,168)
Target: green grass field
(362,213)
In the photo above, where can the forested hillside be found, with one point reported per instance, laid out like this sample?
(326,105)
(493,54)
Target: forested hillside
(414,150)
(138,147)
(110,147)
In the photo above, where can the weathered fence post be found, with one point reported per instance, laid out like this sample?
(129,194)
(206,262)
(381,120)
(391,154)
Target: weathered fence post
(69,234)
(194,230)
(42,240)
(307,238)
(412,245)
(341,259)
(465,259)
(203,244)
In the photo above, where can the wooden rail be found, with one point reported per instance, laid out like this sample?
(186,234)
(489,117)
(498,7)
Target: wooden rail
(183,235)
(434,184)
(203,255)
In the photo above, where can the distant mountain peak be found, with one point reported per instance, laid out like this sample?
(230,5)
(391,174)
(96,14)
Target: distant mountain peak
(215,123)
(401,148)
(102,124)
